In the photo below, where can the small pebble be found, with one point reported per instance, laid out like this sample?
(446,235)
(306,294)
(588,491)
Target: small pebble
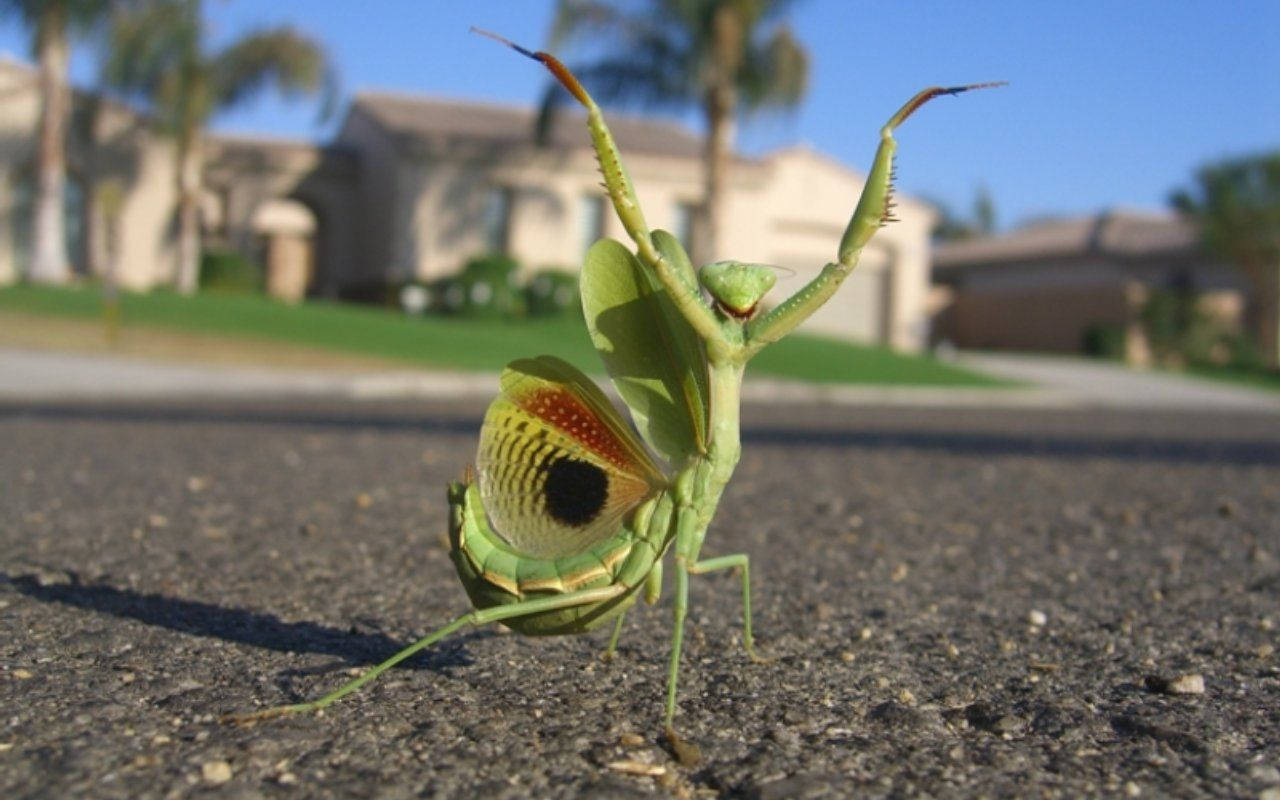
(1272,793)
(637,768)
(1189,683)
(1132,789)
(1264,773)
(197,484)
(215,772)
(22,674)
(1038,618)
(364,500)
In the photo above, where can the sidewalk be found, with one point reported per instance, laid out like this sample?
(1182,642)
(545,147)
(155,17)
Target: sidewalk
(1050,383)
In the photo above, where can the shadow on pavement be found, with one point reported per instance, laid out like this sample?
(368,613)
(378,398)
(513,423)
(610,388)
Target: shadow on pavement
(239,625)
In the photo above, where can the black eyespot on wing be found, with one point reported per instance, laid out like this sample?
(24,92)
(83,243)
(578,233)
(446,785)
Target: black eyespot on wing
(575,491)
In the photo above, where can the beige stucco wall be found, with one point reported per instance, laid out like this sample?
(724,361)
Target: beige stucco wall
(148,247)
(123,150)
(788,209)
(18,111)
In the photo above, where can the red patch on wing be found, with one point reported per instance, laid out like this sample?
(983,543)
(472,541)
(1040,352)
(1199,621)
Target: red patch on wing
(565,412)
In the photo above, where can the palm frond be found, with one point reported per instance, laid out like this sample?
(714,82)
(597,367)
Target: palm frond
(153,56)
(283,57)
(774,74)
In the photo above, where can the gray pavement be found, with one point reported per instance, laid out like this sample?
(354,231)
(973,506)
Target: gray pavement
(959,602)
(1049,383)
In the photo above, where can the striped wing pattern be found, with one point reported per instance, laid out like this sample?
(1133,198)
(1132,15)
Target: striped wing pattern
(558,468)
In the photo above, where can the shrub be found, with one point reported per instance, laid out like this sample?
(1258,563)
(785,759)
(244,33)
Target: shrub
(228,271)
(485,287)
(1104,341)
(1182,334)
(551,292)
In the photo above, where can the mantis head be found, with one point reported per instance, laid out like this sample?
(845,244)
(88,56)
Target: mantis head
(737,287)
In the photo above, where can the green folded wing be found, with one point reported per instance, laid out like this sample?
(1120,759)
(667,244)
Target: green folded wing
(656,360)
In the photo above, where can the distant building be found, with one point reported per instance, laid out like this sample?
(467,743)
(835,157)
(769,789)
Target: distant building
(1050,285)
(413,187)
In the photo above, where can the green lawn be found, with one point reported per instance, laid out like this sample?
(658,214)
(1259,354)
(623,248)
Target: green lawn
(465,344)
(1255,378)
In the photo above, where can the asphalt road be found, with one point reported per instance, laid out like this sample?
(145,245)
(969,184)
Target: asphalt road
(958,603)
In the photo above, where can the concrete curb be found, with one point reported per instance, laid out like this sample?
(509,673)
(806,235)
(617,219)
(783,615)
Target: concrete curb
(31,375)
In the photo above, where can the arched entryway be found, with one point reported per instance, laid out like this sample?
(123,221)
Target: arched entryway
(285,230)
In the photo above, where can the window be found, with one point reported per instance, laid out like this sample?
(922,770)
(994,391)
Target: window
(73,212)
(590,220)
(685,218)
(497,219)
(21,233)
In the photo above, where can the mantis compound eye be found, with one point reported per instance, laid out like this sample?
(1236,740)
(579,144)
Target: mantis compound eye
(737,287)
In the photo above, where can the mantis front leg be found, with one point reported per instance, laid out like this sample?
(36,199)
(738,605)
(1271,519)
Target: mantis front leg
(622,194)
(874,211)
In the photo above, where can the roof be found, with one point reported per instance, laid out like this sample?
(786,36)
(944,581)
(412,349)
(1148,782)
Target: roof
(1120,234)
(429,117)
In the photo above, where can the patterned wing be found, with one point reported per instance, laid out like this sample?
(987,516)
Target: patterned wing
(559,469)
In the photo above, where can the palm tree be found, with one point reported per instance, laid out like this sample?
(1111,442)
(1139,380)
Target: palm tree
(1236,203)
(722,56)
(158,53)
(52,22)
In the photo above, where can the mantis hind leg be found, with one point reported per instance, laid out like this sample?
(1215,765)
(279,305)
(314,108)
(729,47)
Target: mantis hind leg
(652,590)
(612,647)
(729,562)
(686,752)
(477,617)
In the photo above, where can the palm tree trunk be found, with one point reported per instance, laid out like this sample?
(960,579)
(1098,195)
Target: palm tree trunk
(49,247)
(719,108)
(190,166)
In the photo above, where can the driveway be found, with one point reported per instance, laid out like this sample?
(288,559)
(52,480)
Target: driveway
(1087,382)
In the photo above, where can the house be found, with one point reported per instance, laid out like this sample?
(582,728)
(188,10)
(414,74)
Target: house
(412,187)
(1052,285)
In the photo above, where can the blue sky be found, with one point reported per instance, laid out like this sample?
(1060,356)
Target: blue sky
(1111,104)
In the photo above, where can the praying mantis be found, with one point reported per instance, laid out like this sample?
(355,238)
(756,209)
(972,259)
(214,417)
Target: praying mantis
(571,516)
